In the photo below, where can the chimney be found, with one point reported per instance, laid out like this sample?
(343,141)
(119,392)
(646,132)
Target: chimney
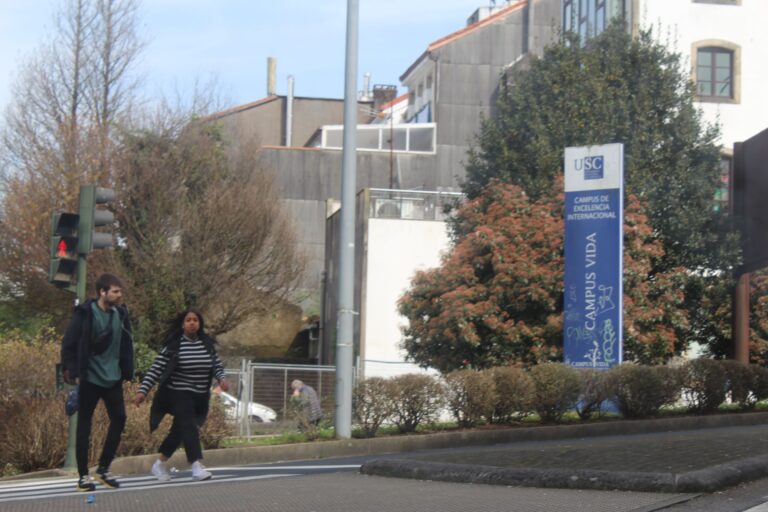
(366,96)
(289,113)
(271,76)
(383,94)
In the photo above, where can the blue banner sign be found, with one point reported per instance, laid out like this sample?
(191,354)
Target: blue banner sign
(594,222)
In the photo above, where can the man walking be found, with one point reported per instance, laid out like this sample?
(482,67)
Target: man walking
(97,354)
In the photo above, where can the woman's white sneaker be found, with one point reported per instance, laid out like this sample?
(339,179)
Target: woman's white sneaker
(199,472)
(160,470)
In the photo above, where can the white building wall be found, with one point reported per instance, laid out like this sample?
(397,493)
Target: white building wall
(396,250)
(687,22)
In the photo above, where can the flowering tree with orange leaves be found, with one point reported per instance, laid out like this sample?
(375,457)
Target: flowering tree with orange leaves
(497,298)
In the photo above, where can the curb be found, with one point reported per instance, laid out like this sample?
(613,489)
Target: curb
(523,477)
(709,479)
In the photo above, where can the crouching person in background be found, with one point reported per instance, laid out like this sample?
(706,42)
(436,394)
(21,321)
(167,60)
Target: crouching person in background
(308,406)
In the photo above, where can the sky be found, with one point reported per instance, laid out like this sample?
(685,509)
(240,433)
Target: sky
(229,41)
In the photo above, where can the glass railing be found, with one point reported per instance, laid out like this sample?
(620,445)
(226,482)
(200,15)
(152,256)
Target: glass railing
(411,204)
(399,138)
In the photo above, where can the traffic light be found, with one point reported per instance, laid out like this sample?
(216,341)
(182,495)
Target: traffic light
(92,217)
(62,271)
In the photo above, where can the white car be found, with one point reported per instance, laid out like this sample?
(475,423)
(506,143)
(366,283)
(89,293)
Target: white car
(256,412)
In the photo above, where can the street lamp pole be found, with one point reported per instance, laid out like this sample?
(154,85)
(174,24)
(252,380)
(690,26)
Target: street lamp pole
(345,319)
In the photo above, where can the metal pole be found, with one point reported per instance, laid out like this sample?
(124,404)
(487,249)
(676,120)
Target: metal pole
(70,461)
(741,320)
(344,341)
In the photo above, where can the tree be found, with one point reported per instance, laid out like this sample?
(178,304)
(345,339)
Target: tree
(201,225)
(198,222)
(613,88)
(497,298)
(59,133)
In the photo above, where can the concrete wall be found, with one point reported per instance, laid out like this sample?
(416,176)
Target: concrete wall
(396,249)
(264,120)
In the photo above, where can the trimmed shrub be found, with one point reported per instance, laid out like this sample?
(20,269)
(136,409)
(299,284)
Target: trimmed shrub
(216,427)
(373,404)
(639,391)
(705,384)
(672,380)
(417,400)
(33,426)
(759,381)
(739,383)
(595,392)
(514,394)
(557,387)
(28,366)
(471,396)
(33,435)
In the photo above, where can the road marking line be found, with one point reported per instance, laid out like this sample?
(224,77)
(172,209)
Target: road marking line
(760,508)
(127,487)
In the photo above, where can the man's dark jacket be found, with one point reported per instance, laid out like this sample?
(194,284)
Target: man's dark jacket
(78,341)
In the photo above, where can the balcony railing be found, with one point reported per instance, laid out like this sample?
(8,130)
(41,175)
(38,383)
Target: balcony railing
(399,138)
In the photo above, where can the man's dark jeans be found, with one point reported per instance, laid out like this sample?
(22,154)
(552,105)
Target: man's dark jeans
(90,394)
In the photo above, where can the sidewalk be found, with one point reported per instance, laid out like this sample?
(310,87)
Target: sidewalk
(688,461)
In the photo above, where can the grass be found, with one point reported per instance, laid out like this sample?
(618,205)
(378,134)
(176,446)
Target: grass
(293,437)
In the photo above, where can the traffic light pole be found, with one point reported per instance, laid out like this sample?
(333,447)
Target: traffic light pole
(68,230)
(70,461)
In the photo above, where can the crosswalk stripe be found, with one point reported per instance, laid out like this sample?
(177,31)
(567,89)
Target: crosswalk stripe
(126,485)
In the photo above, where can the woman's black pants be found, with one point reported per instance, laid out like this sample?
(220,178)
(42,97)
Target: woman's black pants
(187,409)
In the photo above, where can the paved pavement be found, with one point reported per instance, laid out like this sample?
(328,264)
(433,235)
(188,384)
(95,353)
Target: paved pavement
(345,492)
(685,461)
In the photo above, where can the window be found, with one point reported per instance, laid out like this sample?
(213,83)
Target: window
(714,72)
(716,66)
(721,194)
(590,17)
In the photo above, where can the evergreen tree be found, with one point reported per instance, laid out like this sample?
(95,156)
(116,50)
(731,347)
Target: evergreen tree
(613,88)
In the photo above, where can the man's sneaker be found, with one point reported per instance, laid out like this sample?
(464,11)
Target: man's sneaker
(199,472)
(85,484)
(106,478)
(160,470)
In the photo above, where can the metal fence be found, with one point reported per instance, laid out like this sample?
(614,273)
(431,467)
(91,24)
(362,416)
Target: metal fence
(270,385)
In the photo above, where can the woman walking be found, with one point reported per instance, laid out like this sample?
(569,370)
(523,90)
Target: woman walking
(183,372)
